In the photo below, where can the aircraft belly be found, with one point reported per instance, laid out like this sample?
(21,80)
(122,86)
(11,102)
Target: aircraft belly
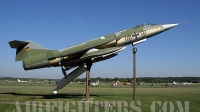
(104,58)
(96,54)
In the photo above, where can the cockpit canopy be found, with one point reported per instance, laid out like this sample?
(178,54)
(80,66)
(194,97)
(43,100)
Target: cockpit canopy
(146,25)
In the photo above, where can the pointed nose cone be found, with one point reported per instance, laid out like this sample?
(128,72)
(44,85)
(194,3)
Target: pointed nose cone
(169,26)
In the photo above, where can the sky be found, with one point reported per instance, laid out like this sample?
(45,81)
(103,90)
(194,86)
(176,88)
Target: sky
(59,24)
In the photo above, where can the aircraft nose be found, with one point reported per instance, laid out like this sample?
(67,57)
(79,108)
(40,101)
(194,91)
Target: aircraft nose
(168,26)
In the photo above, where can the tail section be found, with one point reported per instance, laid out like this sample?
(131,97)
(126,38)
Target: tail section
(26,49)
(33,55)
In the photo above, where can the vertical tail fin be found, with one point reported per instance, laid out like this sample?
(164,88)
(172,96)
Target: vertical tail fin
(22,48)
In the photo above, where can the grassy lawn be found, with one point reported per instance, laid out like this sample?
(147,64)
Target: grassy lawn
(39,98)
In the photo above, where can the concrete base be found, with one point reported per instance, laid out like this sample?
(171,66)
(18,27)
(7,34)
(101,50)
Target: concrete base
(90,100)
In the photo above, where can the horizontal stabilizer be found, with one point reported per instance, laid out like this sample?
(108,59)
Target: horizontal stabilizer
(17,43)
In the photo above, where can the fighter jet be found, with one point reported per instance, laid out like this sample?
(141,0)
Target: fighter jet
(20,80)
(174,83)
(81,56)
(186,83)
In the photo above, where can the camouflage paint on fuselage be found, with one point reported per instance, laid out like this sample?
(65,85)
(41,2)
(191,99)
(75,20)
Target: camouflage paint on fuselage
(120,38)
(35,56)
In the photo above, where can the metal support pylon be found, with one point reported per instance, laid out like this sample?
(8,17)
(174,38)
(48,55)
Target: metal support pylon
(87,92)
(134,72)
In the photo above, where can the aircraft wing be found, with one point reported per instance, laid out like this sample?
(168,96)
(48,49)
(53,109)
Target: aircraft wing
(95,55)
(84,51)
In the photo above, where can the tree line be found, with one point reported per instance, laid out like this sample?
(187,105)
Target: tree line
(145,79)
(139,79)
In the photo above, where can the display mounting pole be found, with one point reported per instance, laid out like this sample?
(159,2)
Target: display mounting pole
(87,92)
(134,72)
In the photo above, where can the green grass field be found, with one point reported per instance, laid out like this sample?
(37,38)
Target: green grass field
(39,98)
